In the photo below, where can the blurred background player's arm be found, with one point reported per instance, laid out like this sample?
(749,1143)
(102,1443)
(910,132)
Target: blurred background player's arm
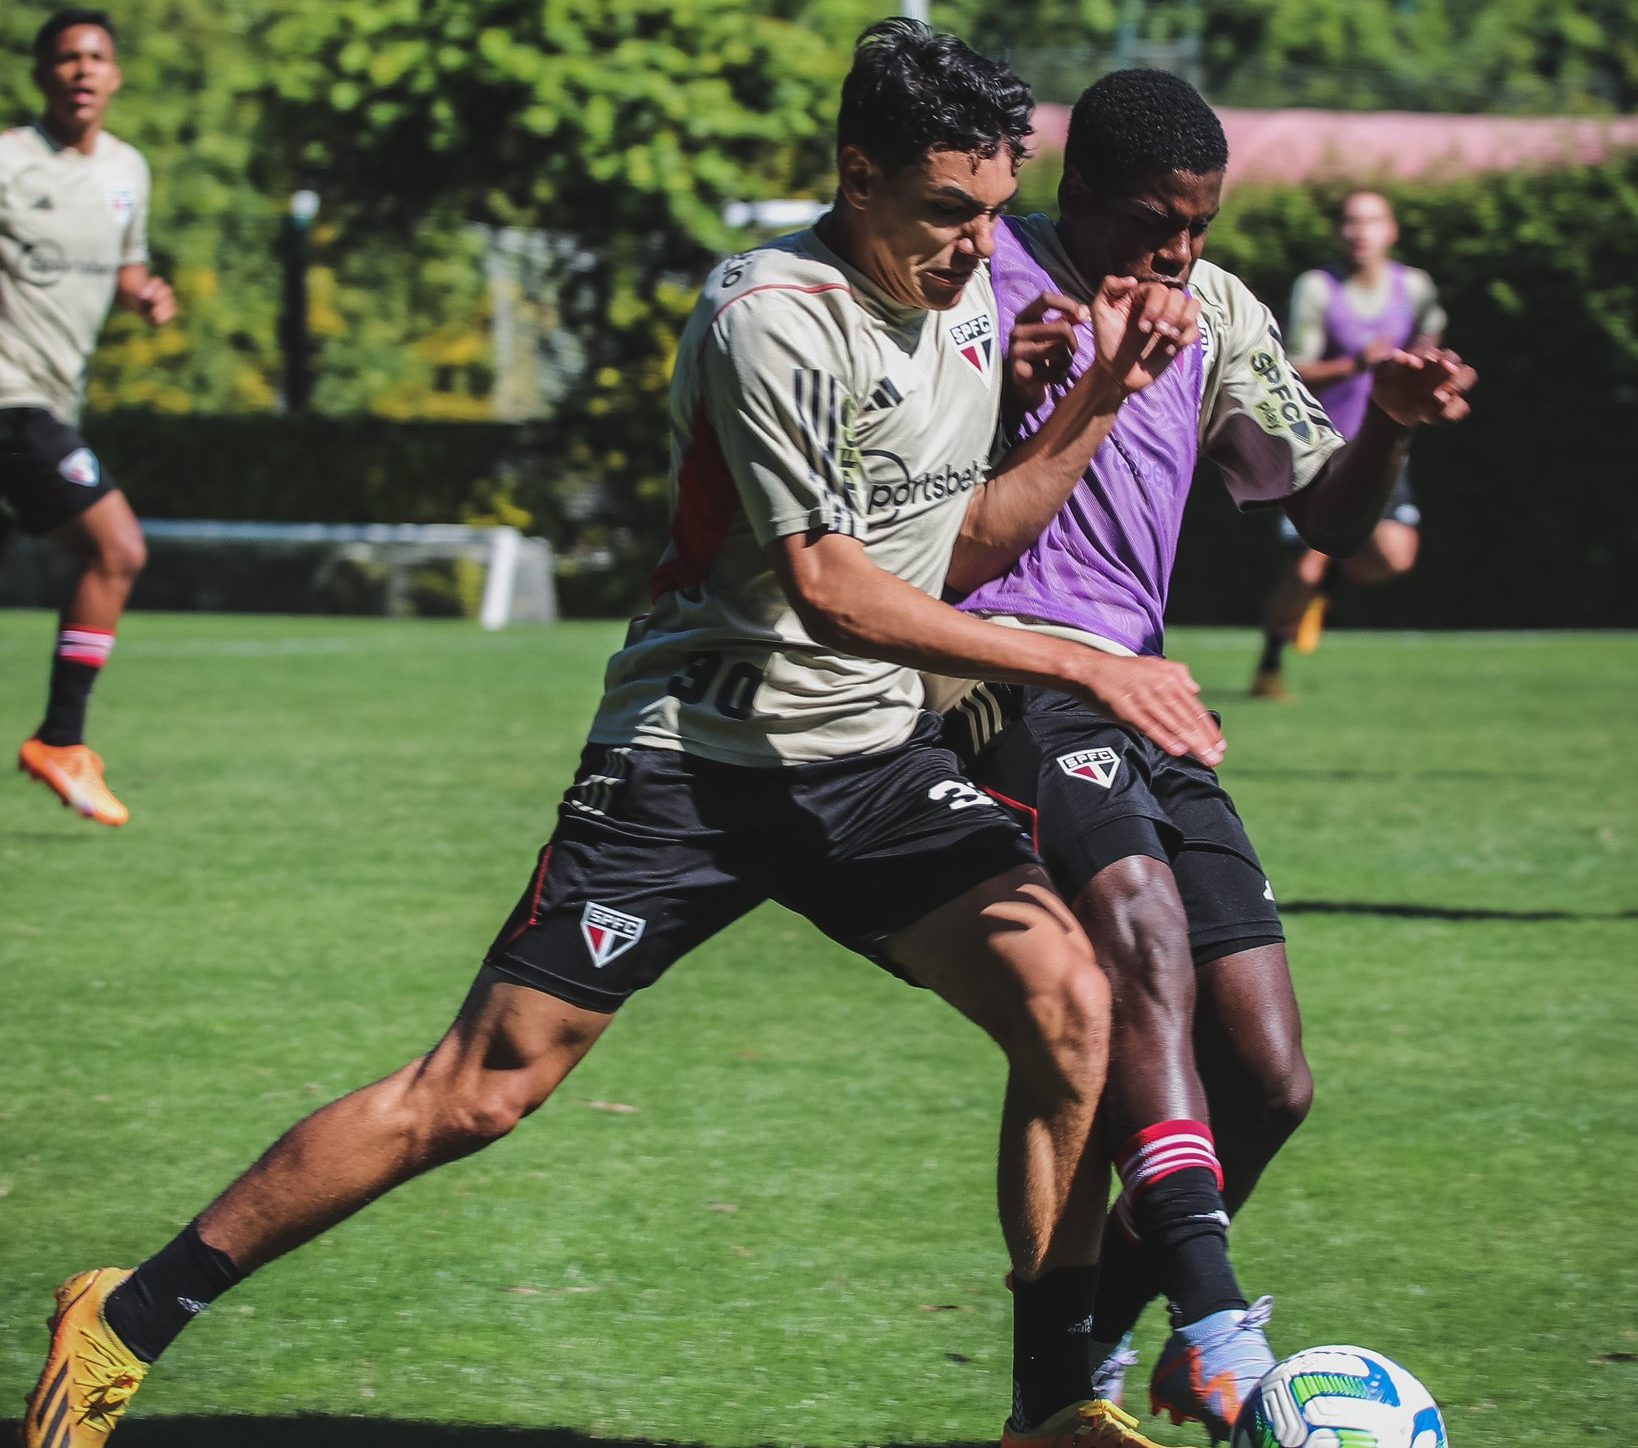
(1336,512)
(1430,316)
(150,297)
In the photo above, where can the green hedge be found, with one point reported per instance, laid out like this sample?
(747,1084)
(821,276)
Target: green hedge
(1530,508)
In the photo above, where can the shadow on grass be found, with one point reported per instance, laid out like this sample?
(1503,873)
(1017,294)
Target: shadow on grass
(1442,912)
(324,1432)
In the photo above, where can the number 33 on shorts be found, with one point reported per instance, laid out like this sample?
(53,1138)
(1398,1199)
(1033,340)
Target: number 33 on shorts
(959,794)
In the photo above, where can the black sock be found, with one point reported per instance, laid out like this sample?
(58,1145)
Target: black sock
(71,683)
(1051,1343)
(1183,1222)
(1273,648)
(1128,1281)
(165,1294)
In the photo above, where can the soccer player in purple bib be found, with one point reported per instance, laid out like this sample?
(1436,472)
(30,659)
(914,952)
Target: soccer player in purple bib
(1343,322)
(834,409)
(1207,1076)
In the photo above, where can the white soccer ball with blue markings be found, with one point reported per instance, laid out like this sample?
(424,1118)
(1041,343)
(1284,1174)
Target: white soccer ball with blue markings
(1339,1397)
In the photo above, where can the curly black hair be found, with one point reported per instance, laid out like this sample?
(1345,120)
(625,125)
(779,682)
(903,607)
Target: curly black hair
(912,91)
(1134,125)
(45,38)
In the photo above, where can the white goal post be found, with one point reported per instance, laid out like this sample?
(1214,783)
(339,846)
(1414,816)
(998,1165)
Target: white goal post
(519,586)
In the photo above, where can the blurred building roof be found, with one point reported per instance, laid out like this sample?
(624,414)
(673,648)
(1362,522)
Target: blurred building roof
(1304,145)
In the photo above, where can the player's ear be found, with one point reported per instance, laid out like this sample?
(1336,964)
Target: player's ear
(858,176)
(1074,195)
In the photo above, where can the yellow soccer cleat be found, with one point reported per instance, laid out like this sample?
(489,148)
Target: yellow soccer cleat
(1311,625)
(89,1374)
(1095,1424)
(75,773)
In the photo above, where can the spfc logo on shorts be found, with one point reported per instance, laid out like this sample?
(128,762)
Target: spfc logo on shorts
(609,933)
(976,340)
(1097,765)
(80,466)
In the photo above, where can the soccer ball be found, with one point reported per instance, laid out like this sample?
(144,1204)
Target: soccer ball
(1339,1397)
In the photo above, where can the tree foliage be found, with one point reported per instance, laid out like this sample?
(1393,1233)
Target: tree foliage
(1520,56)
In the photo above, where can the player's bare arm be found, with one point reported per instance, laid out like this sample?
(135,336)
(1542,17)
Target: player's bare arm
(1338,510)
(150,297)
(1138,327)
(846,602)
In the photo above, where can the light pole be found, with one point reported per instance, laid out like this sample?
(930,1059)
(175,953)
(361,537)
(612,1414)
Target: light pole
(294,337)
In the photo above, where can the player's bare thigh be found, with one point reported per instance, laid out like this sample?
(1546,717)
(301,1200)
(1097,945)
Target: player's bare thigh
(107,534)
(1008,955)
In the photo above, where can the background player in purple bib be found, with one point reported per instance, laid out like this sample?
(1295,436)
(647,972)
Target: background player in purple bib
(1149,850)
(1344,320)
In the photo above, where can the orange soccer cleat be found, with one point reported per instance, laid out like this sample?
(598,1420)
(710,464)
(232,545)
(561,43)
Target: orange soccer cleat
(74,772)
(89,1374)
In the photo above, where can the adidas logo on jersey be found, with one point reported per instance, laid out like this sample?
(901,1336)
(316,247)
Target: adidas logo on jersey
(43,204)
(1097,765)
(886,395)
(609,933)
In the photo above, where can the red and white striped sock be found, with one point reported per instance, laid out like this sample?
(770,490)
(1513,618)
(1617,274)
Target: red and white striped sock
(80,654)
(1172,1201)
(1166,1147)
(85,645)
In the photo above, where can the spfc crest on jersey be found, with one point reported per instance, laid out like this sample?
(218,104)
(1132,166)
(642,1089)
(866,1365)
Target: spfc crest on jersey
(609,933)
(1097,765)
(122,201)
(975,340)
(80,466)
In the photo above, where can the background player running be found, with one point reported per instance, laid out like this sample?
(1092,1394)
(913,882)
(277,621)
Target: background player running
(1345,320)
(73,242)
(1207,1076)
(834,406)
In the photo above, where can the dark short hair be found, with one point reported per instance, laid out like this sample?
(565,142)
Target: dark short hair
(45,38)
(1134,125)
(912,91)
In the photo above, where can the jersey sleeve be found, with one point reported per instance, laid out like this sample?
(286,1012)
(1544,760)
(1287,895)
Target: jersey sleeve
(1305,334)
(1431,320)
(134,244)
(1258,422)
(777,391)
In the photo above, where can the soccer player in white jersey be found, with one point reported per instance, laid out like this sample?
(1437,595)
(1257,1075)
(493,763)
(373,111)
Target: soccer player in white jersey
(834,406)
(73,242)
(1207,1076)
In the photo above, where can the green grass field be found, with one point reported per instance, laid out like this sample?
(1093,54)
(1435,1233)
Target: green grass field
(789,1238)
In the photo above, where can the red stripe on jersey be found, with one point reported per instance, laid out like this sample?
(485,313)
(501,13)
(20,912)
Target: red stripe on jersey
(707,504)
(780,287)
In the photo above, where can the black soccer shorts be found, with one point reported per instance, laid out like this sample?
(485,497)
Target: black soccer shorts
(655,851)
(1095,792)
(47,473)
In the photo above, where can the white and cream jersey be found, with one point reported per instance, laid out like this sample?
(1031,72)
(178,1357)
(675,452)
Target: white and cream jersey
(803,400)
(68,223)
